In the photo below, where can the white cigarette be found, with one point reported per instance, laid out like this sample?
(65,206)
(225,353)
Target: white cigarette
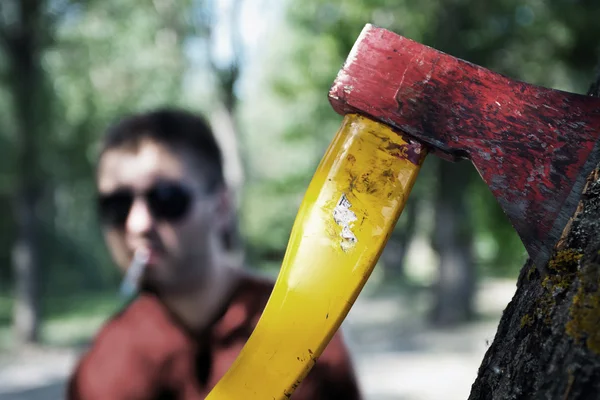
(131,280)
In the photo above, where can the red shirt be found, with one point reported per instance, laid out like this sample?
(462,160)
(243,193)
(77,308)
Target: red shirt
(144,354)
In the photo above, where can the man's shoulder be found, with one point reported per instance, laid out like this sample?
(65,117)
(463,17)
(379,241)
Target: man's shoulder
(258,282)
(128,353)
(247,303)
(144,326)
(255,290)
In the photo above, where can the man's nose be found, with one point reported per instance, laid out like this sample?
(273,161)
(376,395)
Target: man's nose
(140,218)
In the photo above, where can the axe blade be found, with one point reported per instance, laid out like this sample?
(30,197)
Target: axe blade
(533,146)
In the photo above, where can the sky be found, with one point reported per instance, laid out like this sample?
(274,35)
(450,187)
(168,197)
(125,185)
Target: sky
(258,20)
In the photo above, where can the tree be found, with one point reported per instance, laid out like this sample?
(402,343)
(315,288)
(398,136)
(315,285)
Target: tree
(223,115)
(394,254)
(25,32)
(453,232)
(452,239)
(548,341)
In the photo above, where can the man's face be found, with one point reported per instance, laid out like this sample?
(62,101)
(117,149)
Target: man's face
(153,198)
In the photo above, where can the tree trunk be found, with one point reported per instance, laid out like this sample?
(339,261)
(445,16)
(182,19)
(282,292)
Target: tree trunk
(548,341)
(26,267)
(23,44)
(453,240)
(223,119)
(394,253)
(224,124)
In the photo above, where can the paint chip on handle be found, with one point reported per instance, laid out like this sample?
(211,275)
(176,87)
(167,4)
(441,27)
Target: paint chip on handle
(343,216)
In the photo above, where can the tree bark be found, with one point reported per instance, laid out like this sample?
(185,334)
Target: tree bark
(453,241)
(548,341)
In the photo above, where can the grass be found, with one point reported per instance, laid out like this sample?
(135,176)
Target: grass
(68,320)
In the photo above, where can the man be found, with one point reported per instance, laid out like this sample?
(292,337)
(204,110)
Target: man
(162,193)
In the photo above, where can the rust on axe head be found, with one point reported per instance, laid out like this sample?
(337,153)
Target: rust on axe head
(533,146)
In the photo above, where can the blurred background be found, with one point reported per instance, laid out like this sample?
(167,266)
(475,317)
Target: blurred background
(261,70)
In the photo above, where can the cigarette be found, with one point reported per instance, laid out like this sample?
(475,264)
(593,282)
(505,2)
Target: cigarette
(131,280)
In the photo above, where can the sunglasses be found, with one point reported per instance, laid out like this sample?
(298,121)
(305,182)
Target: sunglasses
(166,201)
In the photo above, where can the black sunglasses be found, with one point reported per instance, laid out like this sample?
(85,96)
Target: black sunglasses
(166,201)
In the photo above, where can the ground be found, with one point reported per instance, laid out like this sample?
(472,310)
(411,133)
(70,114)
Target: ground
(397,354)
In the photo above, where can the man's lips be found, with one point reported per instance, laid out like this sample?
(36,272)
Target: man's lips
(147,255)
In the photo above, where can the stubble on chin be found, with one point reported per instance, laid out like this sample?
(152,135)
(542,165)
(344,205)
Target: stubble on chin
(178,282)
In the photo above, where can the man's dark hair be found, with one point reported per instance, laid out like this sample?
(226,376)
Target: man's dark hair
(175,128)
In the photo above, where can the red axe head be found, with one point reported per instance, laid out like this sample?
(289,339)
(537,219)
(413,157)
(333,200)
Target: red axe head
(533,146)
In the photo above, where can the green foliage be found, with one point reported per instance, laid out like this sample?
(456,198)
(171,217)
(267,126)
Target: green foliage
(69,319)
(547,43)
(106,58)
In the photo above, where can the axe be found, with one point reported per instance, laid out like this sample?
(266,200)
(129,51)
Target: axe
(401,100)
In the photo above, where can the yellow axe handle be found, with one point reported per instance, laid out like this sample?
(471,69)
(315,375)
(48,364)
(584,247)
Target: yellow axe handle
(349,210)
